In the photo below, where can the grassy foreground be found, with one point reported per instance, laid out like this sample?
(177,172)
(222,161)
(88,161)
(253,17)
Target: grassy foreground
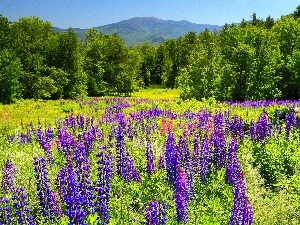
(270,161)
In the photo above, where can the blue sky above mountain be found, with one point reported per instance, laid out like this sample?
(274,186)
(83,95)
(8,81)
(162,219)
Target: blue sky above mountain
(93,13)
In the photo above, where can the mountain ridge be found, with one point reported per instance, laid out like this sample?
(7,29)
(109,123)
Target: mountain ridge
(147,29)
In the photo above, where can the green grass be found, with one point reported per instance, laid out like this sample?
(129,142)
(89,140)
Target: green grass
(157,92)
(213,202)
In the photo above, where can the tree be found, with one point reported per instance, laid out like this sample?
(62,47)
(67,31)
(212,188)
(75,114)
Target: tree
(286,32)
(269,22)
(94,63)
(10,70)
(159,61)
(65,54)
(199,78)
(4,32)
(296,13)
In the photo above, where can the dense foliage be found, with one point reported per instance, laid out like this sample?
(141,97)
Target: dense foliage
(258,59)
(142,161)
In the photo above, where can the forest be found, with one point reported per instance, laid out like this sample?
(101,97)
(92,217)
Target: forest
(252,60)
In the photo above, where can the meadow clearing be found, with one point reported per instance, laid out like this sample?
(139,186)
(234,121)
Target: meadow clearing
(149,159)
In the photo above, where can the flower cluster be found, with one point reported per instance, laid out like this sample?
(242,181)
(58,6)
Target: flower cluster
(290,121)
(242,213)
(150,158)
(262,128)
(8,177)
(70,194)
(5,211)
(105,173)
(181,195)
(219,145)
(21,207)
(47,199)
(170,157)
(45,141)
(205,161)
(156,213)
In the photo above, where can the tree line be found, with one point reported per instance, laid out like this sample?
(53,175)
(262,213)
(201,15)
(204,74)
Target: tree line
(255,59)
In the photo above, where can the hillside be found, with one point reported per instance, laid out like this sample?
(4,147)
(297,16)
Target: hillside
(148,29)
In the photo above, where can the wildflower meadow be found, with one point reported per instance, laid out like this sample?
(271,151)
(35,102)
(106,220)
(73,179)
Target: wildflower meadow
(149,161)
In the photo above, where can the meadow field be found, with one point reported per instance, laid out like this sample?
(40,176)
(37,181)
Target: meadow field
(149,159)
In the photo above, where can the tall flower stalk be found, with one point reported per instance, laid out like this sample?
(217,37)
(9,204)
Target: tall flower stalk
(105,173)
(8,177)
(21,207)
(49,206)
(181,195)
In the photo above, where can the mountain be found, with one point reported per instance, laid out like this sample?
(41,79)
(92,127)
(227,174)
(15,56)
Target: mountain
(148,29)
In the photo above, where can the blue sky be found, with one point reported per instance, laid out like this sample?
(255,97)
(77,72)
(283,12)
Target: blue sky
(92,13)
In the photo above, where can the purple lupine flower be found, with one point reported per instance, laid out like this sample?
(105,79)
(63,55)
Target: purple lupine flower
(47,148)
(21,206)
(45,142)
(10,138)
(170,157)
(219,144)
(151,214)
(43,188)
(130,129)
(233,167)
(73,199)
(203,116)
(105,173)
(242,213)
(290,121)
(247,212)
(205,161)
(150,158)
(120,151)
(183,150)
(162,213)
(89,139)
(156,213)
(196,153)
(130,171)
(120,118)
(28,137)
(22,138)
(181,195)
(88,122)
(56,208)
(65,141)
(8,177)
(5,211)
(49,134)
(61,183)
(80,121)
(82,170)
(263,127)
(218,121)
(161,163)
(190,175)
(70,193)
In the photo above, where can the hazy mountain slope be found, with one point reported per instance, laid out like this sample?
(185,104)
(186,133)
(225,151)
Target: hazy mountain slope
(148,29)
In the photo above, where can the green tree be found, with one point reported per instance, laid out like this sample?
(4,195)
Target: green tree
(296,13)
(200,78)
(159,65)
(4,32)
(286,32)
(94,63)
(65,54)
(10,70)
